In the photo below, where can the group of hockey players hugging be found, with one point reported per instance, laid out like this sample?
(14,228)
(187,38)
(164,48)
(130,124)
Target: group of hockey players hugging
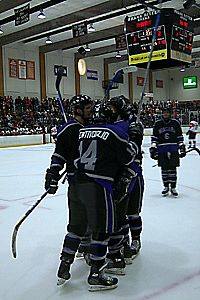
(100,147)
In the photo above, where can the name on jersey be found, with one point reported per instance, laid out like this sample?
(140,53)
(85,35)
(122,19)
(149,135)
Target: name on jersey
(93,134)
(167,129)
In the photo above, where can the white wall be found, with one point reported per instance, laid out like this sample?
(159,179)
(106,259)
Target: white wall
(173,85)
(93,88)
(161,93)
(23,140)
(176,90)
(16,87)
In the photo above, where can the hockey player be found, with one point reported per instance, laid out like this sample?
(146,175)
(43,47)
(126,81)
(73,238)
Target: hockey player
(91,203)
(167,146)
(54,133)
(192,132)
(130,183)
(66,148)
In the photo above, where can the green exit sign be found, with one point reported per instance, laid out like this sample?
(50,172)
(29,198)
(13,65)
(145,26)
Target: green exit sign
(190,82)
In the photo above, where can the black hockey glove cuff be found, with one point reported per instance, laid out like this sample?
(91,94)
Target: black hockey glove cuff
(153,152)
(51,180)
(182,150)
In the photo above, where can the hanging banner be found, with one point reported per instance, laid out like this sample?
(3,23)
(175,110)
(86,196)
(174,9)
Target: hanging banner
(22,15)
(140,81)
(13,68)
(120,42)
(159,83)
(79,29)
(30,70)
(92,75)
(21,69)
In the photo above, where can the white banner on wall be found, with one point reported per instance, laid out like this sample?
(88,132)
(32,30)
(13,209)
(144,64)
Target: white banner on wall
(92,75)
(22,69)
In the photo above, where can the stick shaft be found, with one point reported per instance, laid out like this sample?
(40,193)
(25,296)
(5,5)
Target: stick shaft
(148,65)
(23,218)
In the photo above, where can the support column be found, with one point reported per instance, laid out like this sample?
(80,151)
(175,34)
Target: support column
(150,81)
(77,77)
(1,73)
(43,92)
(106,76)
(130,87)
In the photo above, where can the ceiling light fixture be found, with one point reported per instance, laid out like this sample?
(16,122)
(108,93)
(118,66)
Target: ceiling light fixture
(118,55)
(182,69)
(87,48)
(91,28)
(82,51)
(41,14)
(81,66)
(1,30)
(48,40)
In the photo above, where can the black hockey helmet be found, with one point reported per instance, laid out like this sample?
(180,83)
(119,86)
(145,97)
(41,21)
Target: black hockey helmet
(132,110)
(120,103)
(102,113)
(79,102)
(166,109)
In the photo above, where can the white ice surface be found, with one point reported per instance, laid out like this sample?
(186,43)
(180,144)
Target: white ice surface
(168,267)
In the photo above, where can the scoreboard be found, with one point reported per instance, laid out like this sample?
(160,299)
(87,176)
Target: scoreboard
(173,44)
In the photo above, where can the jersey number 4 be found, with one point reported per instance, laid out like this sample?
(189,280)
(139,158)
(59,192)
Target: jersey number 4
(89,157)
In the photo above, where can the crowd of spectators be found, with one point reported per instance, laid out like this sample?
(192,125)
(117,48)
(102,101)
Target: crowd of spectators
(183,111)
(31,116)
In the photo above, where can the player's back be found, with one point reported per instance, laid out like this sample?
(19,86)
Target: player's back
(103,150)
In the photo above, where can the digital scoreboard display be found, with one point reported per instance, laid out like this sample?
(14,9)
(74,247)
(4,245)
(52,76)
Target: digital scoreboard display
(174,38)
(140,42)
(181,37)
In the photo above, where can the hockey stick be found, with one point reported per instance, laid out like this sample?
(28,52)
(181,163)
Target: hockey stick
(58,81)
(117,76)
(16,228)
(149,62)
(194,149)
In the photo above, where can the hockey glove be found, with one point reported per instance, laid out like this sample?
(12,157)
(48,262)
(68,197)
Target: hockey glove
(122,184)
(51,181)
(136,132)
(153,152)
(182,150)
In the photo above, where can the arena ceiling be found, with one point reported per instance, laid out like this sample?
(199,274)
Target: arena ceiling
(107,18)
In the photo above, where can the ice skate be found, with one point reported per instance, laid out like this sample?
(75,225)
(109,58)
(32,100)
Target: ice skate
(115,266)
(165,192)
(135,248)
(63,272)
(174,192)
(128,255)
(98,281)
